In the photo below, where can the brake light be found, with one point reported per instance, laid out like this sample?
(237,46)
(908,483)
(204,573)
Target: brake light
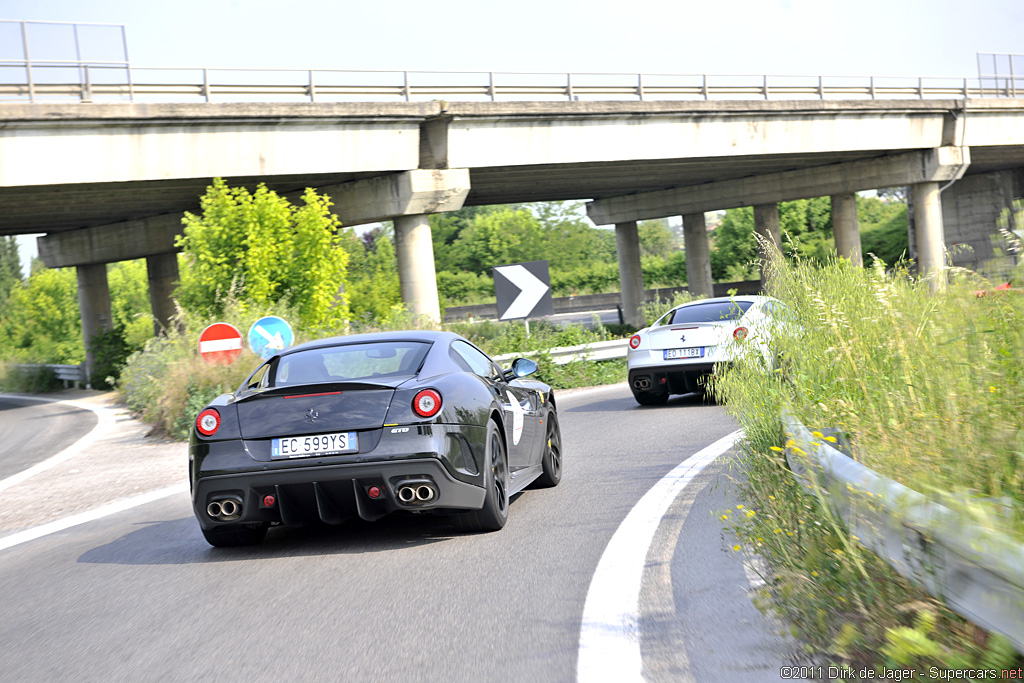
(208,422)
(740,333)
(427,403)
(634,341)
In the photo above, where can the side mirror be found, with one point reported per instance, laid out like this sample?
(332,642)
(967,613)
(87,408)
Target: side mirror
(521,367)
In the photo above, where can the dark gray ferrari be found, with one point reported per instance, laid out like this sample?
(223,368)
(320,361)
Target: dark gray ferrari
(366,425)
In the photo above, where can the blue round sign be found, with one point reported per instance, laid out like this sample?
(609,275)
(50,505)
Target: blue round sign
(268,335)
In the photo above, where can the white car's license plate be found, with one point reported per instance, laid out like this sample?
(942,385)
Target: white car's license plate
(695,352)
(314,444)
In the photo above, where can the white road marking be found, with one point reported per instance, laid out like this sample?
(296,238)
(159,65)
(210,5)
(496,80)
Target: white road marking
(609,632)
(89,516)
(104,420)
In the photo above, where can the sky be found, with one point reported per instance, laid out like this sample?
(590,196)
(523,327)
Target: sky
(932,38)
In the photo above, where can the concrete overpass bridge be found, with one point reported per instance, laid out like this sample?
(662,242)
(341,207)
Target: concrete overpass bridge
(109,181)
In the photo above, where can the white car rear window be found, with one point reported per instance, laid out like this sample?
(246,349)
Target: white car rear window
(710,312)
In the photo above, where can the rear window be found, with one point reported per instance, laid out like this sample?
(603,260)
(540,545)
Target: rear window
(350,362)
(711,312)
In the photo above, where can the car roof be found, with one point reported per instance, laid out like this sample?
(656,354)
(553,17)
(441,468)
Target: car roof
(427,336)
(752,298)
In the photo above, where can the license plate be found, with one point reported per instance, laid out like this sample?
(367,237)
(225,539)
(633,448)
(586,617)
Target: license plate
(695,352)
(314,444)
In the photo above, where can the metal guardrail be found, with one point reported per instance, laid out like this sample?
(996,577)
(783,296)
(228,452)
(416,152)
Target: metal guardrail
(978,572)
(65,373)
(606,350)
(37,81)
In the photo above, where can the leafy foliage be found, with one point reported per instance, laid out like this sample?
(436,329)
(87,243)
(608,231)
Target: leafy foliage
(265,250)
(10,269)
(41,322)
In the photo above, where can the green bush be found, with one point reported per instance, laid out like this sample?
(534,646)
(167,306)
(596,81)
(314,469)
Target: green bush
(30,380)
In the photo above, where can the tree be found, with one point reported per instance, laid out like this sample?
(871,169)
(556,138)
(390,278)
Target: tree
(10,269)
(41,323)
(656,238)
(262,249)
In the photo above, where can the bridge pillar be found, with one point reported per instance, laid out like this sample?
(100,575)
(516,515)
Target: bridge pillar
(162,271)
(631,275)
(931,250)
(769,247)
(415,252)
(94,307)
(846,227)
(698,255)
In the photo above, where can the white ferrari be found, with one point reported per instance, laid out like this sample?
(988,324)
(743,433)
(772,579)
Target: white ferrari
(682,348)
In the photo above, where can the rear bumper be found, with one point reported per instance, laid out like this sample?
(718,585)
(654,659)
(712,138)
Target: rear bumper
(331,493)
(674,379)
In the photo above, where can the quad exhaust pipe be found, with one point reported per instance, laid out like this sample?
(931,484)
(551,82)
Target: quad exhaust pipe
(413,493)
(225,510)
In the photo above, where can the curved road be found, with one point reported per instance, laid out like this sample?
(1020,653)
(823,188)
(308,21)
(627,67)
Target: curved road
(31,431)
(139,595)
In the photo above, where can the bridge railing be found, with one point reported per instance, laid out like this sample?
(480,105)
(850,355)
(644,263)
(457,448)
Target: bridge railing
(35,81)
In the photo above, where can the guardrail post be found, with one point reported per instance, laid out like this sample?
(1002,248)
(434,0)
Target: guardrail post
(312,88)
(920,88)
(704,85)
(765,86)
(490,85)
(87,86)
(131,84)
(872,87)
(640,86)
(206,85)
(28,63)
(568,87)
(821,87)
(405,85)
(966,96)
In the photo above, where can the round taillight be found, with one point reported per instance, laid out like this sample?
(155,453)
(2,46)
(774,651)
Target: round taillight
(208,422)
(634,341)
(427,403)
(269,501)
(373,492)
(740,333)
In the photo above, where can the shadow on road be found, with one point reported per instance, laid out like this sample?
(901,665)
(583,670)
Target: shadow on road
(179,541)
(617,405)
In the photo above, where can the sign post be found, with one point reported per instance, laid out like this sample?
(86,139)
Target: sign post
(220,344)
(523,290)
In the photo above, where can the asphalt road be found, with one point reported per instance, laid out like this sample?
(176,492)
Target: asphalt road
(31,431)
(139,595)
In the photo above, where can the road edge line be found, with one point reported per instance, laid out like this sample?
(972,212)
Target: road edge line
(609,645)
(35,532)
(104,420)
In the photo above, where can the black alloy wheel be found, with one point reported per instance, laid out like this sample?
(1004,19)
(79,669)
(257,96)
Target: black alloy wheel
(493,515)
(551,462)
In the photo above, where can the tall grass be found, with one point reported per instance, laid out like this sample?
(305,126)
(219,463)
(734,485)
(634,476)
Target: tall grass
(929,389)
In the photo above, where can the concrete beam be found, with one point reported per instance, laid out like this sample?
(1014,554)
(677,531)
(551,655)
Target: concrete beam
(414,250)
(941,164)
(769,247)
(698,255)
(162,273)
(109,243)
(846,227)
(631,274)
(94,307)
(931,248)
(410,193)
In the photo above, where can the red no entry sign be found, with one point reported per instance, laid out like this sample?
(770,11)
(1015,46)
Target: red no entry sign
(220,344)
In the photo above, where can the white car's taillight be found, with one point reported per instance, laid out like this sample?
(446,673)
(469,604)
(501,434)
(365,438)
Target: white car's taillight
(634,341)
(740,333)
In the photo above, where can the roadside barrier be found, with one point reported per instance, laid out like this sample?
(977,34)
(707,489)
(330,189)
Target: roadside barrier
(65,373)
(606,350)
(978,572)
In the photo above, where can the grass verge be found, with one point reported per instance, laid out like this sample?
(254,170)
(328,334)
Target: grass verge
(929,387)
